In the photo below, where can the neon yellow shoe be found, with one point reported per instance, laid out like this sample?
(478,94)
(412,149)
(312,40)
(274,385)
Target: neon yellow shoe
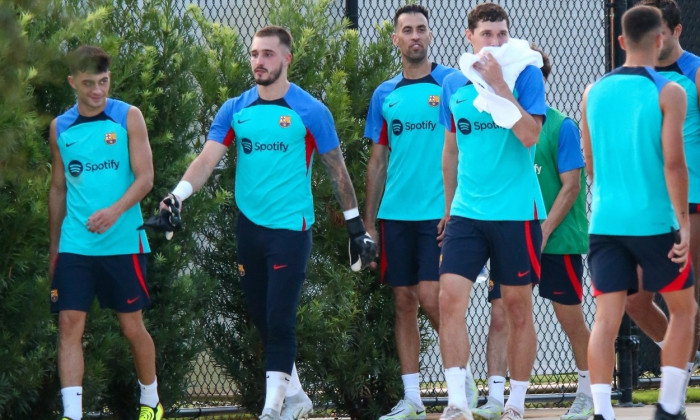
(151,413)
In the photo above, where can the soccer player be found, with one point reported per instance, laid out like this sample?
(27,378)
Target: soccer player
(494,204)
(632,132)
(558,164)
(681,67)
(95,247)
(404,189)
(276,127)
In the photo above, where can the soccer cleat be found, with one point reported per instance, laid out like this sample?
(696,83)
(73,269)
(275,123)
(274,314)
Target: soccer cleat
(661,414)
(405,410)
(492,410)
(511,413)
(471,390)
(151,413)
(598,417)
(269,414)
(456,413)
(581,408)
(296,408)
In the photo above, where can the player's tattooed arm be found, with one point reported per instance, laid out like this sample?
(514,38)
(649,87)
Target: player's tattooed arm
(340,179)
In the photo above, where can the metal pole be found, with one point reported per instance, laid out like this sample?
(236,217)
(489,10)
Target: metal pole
(351,12)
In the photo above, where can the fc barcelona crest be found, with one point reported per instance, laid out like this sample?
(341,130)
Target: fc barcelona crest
(110,138)
(434,100)
(285,121)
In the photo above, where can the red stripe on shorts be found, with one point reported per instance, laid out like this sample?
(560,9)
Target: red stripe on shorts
(572,277)
(678,282)
(534,262)
(139,274)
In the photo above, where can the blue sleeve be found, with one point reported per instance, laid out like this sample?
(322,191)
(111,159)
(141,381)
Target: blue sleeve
(530,88)
(569,156)
(322,128)
(222,122)
(445,115)
(375,120)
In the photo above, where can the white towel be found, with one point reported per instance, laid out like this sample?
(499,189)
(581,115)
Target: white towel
(513,56)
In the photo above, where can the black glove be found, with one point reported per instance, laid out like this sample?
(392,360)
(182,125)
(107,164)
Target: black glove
(362,248)
(167,220)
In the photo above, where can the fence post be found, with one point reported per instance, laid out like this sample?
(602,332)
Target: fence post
(351,12)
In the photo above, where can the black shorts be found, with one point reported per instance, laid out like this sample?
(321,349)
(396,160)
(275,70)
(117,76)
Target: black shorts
(513,246)
(118,281)
(613,262)
(562,278)
(409,252)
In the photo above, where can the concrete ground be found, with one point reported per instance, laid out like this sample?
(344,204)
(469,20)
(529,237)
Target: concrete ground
(645,412)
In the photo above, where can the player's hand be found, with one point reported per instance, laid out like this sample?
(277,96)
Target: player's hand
(490,70)
(361,247)
(372,232)
(168,218)
(101,220)
(441,229)
(681,247)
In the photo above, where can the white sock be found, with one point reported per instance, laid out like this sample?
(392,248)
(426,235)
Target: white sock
(584,382)
(149,393)
(497,386)
(72,402)
(601,401)
(411,388)
(456,392)
(516,398)
(294,383)
(276,387)
(673,381)
(660,344)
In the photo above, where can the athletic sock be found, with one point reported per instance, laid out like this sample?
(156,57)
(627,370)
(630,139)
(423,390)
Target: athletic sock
(584,383)
(72,402)
(149,393)
(516,398)
(497,386)
(276,388)
(602,404)
(294,383)
(411,388)
(456,392)
(673,381)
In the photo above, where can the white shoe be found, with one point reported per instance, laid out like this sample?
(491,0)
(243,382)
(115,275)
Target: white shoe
(456,413)
(492,410)
(269,414)
(296,407)
(470,387)
(511,413)
(581,408)
(405,410)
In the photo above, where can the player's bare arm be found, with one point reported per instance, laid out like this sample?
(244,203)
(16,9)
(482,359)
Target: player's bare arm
(586,137)
(376,179)
(57,197)
(672,100)
(450,155)
(570,187)
(340,179)
(528,128)
(141,160)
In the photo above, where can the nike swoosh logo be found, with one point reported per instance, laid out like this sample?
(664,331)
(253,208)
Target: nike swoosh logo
(277,267)
(459,101)
(498,382)
(392,105)
(368,241)
(241,121)
(523,273)
(130,301)
(70,144)
(418,413)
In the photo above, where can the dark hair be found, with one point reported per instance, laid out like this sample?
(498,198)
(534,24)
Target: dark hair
(639,21)
(88,59)
(487,12)
(546,64)
(411,8)
(670,11)
(281,33)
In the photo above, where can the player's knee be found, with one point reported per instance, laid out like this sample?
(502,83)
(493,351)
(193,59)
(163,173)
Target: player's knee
(70,325)
(405,300)
(133,330)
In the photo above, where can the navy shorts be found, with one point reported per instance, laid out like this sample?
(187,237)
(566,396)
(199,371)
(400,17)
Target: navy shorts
(513,246)
(613,262)
(409,252)
(562,278)
(693,208)
(118,281)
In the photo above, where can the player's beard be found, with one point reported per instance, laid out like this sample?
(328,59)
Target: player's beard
(272,77)
(664,53)
(416,57)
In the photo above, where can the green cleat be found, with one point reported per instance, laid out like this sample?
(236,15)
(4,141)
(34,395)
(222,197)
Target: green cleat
(151,413)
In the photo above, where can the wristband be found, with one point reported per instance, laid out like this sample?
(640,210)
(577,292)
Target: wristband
(183,190)
(351,214)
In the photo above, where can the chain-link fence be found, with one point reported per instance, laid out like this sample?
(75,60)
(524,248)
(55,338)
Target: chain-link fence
(573,33)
